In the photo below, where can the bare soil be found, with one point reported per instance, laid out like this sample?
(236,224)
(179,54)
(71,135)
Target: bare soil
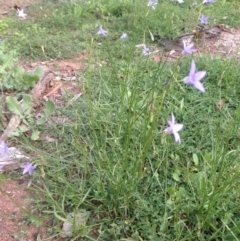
(226,45)
(15,201)
(7,6)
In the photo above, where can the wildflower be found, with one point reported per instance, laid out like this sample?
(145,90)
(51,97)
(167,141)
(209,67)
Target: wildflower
(152,3)
(179,1)
(124,36)
(208,1)
(145,50)
(21,13)
(101,31)
(195,77)
(204,19)
(188,49)
(174,128)
(1,168)
(28,168)
(3,149)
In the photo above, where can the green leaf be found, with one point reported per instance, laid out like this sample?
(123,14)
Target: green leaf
(39,71)
(13,105)
(27,104)
(42,120)
(36,72)
(176,177)
(35,135)
(49,109)
(195,159)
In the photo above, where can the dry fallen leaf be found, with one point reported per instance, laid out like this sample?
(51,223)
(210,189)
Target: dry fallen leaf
(157,58)
(220,104)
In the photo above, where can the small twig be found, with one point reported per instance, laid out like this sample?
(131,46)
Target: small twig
(55,89)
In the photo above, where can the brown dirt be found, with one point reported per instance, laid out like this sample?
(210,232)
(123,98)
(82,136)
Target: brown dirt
(63,68)
(226,45)
(7,5)
(14,198)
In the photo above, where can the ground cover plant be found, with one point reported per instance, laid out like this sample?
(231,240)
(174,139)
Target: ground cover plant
(151,149)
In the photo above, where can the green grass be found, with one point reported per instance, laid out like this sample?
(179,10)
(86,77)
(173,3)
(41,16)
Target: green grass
(113,159)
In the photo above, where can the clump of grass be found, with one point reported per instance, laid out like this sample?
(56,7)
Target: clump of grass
(114,159)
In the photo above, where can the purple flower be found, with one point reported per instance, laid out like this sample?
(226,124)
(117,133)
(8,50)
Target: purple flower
(124,36)
(145,50)
(152,3)
(1,168)
(204,19)
(195,77)
(3,149)
(188,49)
(28,168)
(208,1)
(101,31)
(174,128)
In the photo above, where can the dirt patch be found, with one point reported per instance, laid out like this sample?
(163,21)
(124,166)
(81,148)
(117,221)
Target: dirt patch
(63,68)
(14,200)
(226,45)
(7,6)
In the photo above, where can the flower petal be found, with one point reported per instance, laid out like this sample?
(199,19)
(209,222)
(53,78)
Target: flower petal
(177,127)
(199,75)
(173,119)
(188,80)
(192,69)
(198,85)
(168,130)
(177,137)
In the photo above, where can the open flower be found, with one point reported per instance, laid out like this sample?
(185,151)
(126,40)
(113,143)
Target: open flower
(152,3)
(174,128)
(21,13)
(3,149)
(204,19)
(101,31)
(124,36)
(195,77)
(208,1)
(188,49)
(145,50)
(28,168)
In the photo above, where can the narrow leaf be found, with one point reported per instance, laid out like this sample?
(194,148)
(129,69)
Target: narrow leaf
(195,159)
